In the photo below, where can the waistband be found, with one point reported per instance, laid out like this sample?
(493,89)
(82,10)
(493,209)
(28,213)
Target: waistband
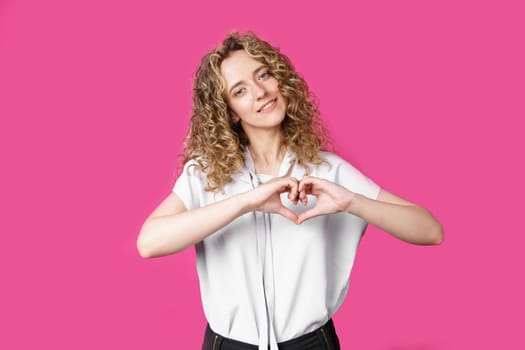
(324,335)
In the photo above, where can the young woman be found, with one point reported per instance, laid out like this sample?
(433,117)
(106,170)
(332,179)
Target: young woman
(274,217)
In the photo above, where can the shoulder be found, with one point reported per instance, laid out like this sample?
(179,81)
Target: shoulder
(194,172)
(346,174)
(192,169)
(338,164)
(190,165)
(332,158)
(332,162)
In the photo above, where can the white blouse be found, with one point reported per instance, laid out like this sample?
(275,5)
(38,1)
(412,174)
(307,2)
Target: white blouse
(265,279)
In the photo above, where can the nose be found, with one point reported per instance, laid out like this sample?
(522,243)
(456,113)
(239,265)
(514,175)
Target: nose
(260,90)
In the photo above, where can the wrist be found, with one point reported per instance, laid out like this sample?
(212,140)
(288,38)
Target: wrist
(353,203)
(244,202)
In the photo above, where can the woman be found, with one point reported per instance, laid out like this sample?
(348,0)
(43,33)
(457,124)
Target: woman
(275,219)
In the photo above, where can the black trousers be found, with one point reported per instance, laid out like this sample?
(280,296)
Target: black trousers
(324,338)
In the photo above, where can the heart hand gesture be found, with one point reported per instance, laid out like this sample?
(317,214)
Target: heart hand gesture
(331,197)
(267,197)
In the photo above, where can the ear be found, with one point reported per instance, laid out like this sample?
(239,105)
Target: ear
(235,118)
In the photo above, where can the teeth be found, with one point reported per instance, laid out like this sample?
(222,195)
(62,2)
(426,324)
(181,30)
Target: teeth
(266,106)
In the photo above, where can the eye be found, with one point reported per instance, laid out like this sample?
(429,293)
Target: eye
(264,75)
(239,92)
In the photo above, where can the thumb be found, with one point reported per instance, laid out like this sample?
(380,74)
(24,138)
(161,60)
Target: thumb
(310,213)
(287,213)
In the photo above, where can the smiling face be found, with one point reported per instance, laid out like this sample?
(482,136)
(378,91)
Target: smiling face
(216,141)
(252,93)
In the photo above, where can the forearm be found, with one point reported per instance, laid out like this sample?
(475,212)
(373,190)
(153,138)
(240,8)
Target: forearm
(409,223)
(170,234)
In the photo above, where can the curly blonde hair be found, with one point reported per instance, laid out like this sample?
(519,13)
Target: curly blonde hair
(217,144)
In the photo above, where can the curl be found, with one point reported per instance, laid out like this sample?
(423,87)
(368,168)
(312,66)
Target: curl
(217,144)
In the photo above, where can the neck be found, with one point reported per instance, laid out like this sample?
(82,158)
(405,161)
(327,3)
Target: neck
(267,151)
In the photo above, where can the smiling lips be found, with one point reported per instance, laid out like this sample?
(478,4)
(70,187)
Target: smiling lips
(268,106)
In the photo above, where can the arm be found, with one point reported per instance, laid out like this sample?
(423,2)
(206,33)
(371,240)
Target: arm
(171,228)
(402,219)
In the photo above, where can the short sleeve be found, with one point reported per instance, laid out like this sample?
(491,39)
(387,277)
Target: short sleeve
(350,177)
(189,186)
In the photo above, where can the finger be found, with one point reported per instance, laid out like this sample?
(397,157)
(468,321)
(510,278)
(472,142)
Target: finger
(293,197)
(313,185)
(307,189)
(294,191)
(287,213)
(309,180)
(302,183)
(303,197)
(308,215)
(288,183)
(306,184)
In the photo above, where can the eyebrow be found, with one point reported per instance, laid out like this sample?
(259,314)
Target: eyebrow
(242,81)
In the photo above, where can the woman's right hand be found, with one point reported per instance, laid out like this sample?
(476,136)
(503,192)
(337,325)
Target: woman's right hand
(171,228)
(267,197)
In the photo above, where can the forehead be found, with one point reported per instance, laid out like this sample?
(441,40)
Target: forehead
(238,66)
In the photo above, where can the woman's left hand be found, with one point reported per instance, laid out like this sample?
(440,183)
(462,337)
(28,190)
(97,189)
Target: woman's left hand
(331,197)
(390,213)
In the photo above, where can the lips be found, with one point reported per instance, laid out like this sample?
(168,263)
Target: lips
(268,105)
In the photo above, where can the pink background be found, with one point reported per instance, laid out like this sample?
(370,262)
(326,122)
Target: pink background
(95,96)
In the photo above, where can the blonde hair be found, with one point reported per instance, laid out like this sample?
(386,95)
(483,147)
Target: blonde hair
(217,144)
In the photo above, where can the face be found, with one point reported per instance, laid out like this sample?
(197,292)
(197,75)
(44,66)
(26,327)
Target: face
(252,93)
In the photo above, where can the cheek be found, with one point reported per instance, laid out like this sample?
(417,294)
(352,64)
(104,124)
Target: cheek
(242,105)
(285,103)
(273,85)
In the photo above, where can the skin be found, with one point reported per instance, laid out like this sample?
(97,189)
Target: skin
(249,87)
(171,228)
